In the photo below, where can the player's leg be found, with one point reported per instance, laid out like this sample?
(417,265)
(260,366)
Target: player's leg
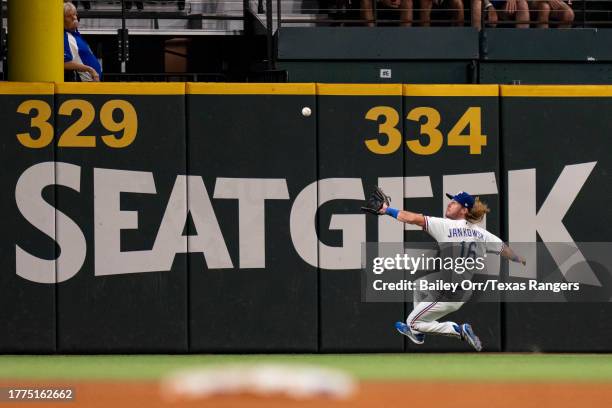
(424,320)
(422,313)
(402,327)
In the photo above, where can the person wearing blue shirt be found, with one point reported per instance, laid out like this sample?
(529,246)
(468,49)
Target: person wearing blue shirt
(77,54)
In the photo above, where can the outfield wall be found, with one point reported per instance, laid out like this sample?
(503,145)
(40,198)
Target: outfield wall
(218,218)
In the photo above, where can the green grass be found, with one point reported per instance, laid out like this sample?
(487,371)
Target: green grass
(424,367)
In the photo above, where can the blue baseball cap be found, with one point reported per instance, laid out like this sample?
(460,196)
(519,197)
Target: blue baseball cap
(462,198)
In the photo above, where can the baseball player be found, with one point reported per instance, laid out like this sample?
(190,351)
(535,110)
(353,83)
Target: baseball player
(458,226)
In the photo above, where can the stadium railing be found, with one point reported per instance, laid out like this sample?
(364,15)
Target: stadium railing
(588,14)
(3,46)
(265,17)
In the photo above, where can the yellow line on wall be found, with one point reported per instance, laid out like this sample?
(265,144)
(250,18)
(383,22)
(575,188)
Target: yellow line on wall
(216,88)
(360,89)
(567,91)
(26,88)
(121,88)
(451,90)
(179,88)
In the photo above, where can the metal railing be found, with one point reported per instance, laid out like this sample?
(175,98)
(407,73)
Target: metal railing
(586,13)
(3,43)
(266,16)
(117,18)
(339,13)
(125,12)
(166,77)
(161,17)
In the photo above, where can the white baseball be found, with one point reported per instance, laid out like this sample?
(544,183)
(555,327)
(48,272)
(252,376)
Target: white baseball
(306,111)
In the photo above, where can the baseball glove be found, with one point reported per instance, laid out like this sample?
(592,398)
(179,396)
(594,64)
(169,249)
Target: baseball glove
(376,200)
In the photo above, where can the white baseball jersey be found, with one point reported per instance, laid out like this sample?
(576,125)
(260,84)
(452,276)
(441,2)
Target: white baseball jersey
(447,230)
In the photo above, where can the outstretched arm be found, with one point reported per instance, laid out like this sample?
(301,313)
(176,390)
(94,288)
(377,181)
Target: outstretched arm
(508,253)
(404,216)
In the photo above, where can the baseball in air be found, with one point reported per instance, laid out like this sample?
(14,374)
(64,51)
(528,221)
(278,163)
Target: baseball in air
(306,111)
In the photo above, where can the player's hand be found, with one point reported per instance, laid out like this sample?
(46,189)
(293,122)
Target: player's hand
(383,209)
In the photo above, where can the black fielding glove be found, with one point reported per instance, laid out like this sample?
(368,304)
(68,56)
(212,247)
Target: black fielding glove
(375,201)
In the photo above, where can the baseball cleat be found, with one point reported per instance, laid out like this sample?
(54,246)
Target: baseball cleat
(403,328)
(468,335)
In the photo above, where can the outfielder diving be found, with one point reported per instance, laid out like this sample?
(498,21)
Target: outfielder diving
(458,226)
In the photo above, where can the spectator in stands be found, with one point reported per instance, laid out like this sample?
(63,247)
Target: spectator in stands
(556,10)
(77,54)
(398,10)
(455,6)
(517,10)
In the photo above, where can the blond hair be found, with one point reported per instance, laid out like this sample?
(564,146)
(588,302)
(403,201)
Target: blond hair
(477,212)
(68,6)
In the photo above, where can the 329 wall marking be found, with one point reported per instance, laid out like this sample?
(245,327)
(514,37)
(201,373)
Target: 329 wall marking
(41,112)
